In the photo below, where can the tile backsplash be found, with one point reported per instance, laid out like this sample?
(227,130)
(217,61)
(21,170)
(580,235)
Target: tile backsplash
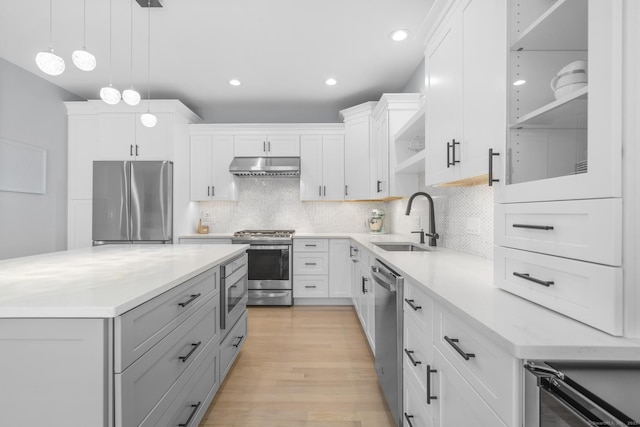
(464,215)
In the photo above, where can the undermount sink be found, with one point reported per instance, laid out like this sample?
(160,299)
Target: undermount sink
(401,247)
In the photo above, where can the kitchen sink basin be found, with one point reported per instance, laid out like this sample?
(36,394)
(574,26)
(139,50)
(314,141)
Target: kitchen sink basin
(401,247)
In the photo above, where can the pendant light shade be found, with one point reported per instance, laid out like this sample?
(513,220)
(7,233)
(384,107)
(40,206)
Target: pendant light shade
(110,95)
(47,60)
(84,60)
(50,63)
(147,119)
(131,96)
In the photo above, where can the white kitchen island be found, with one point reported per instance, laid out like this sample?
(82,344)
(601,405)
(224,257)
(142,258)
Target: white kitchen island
(111,336)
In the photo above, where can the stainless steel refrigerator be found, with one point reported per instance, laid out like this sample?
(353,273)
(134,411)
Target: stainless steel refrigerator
(132,202)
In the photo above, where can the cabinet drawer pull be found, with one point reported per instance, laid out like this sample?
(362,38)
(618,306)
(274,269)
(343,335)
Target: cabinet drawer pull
(409,355)
(195,347)
(452,342)
(408,418)
(429,372)
(412,305)
(190,300)
(526,276)
(491,178)
(193,412)
(310,286)
(533,227)
(239,341)
(307,245)
(309,263)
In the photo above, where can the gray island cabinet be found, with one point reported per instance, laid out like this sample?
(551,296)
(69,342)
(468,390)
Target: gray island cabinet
(111,337)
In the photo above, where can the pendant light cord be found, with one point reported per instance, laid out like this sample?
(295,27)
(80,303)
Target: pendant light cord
(149,57)
(51,25)
(110,41)
(84,25)
(131,43)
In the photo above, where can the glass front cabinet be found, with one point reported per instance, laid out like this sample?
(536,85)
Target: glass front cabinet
(564,103)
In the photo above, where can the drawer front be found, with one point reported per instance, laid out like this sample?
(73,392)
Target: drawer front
(310,287)
(590,293)
(230,347)
(311,245)
(459,404)
(198,383)
(139,329)
(588,230)
(311,263)
(418,354)
(419,304)
(490,370)
(416,412)
(141,386)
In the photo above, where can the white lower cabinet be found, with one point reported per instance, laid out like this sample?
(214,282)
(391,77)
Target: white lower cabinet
(339,269)
(232,343)
(362,293)
(453,374)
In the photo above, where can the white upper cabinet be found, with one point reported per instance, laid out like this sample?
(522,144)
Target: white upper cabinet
(357,151)
(465,67)
(209,173)
(564,119)
(121,136)
(322,167)
(392,112)
(266,145)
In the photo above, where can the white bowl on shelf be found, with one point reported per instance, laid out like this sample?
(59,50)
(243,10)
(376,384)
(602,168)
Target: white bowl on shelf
(567,90)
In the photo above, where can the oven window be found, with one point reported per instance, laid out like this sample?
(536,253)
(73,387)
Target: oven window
(268,264)
(554,413)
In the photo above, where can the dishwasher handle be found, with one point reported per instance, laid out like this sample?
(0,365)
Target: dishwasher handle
(383,280)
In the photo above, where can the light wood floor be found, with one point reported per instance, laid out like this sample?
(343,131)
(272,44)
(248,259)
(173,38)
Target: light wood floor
(301,366)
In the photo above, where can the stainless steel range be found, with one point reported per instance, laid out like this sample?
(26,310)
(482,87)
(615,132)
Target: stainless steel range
(269,265)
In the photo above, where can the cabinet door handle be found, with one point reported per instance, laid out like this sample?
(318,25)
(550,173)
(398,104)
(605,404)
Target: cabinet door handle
(364,288)
(408,418)
(412,305)
(429,372)
(452,342)
(378,184)
(131,150)
(264,146)
(346,190)
(448,154)
(533,227)
(194,348)
(193,412)
(310,286)
(320,190)
(208,191)
(239,341)
(409,355)
(213,191)
(324,187)
(451,160)
(526,276)
(269,146)
(309,263)
(491,178)
(136,150)
(190,300)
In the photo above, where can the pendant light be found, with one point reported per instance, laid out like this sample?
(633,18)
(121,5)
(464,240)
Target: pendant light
(109,94)
(131,96)
(147,119)
(47,60)
(82,58)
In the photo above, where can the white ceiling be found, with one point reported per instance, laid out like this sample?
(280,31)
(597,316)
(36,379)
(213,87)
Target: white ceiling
(281,50)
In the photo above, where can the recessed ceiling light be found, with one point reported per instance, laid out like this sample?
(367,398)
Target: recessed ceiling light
(331,82)
(399,35)
(519,82)
(235,82)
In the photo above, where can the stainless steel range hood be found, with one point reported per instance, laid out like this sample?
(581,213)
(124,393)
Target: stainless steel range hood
(265,166)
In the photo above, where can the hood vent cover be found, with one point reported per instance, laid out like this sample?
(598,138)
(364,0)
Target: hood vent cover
(266,166)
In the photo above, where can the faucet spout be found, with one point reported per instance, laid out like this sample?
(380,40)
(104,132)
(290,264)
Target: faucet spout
(432,217)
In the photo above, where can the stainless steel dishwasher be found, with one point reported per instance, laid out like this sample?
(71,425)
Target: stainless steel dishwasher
(388,294)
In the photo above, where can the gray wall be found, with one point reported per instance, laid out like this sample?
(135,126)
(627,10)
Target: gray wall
(32,112)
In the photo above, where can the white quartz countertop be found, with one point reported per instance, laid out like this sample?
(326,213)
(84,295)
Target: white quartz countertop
(463,284)
(103,281)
